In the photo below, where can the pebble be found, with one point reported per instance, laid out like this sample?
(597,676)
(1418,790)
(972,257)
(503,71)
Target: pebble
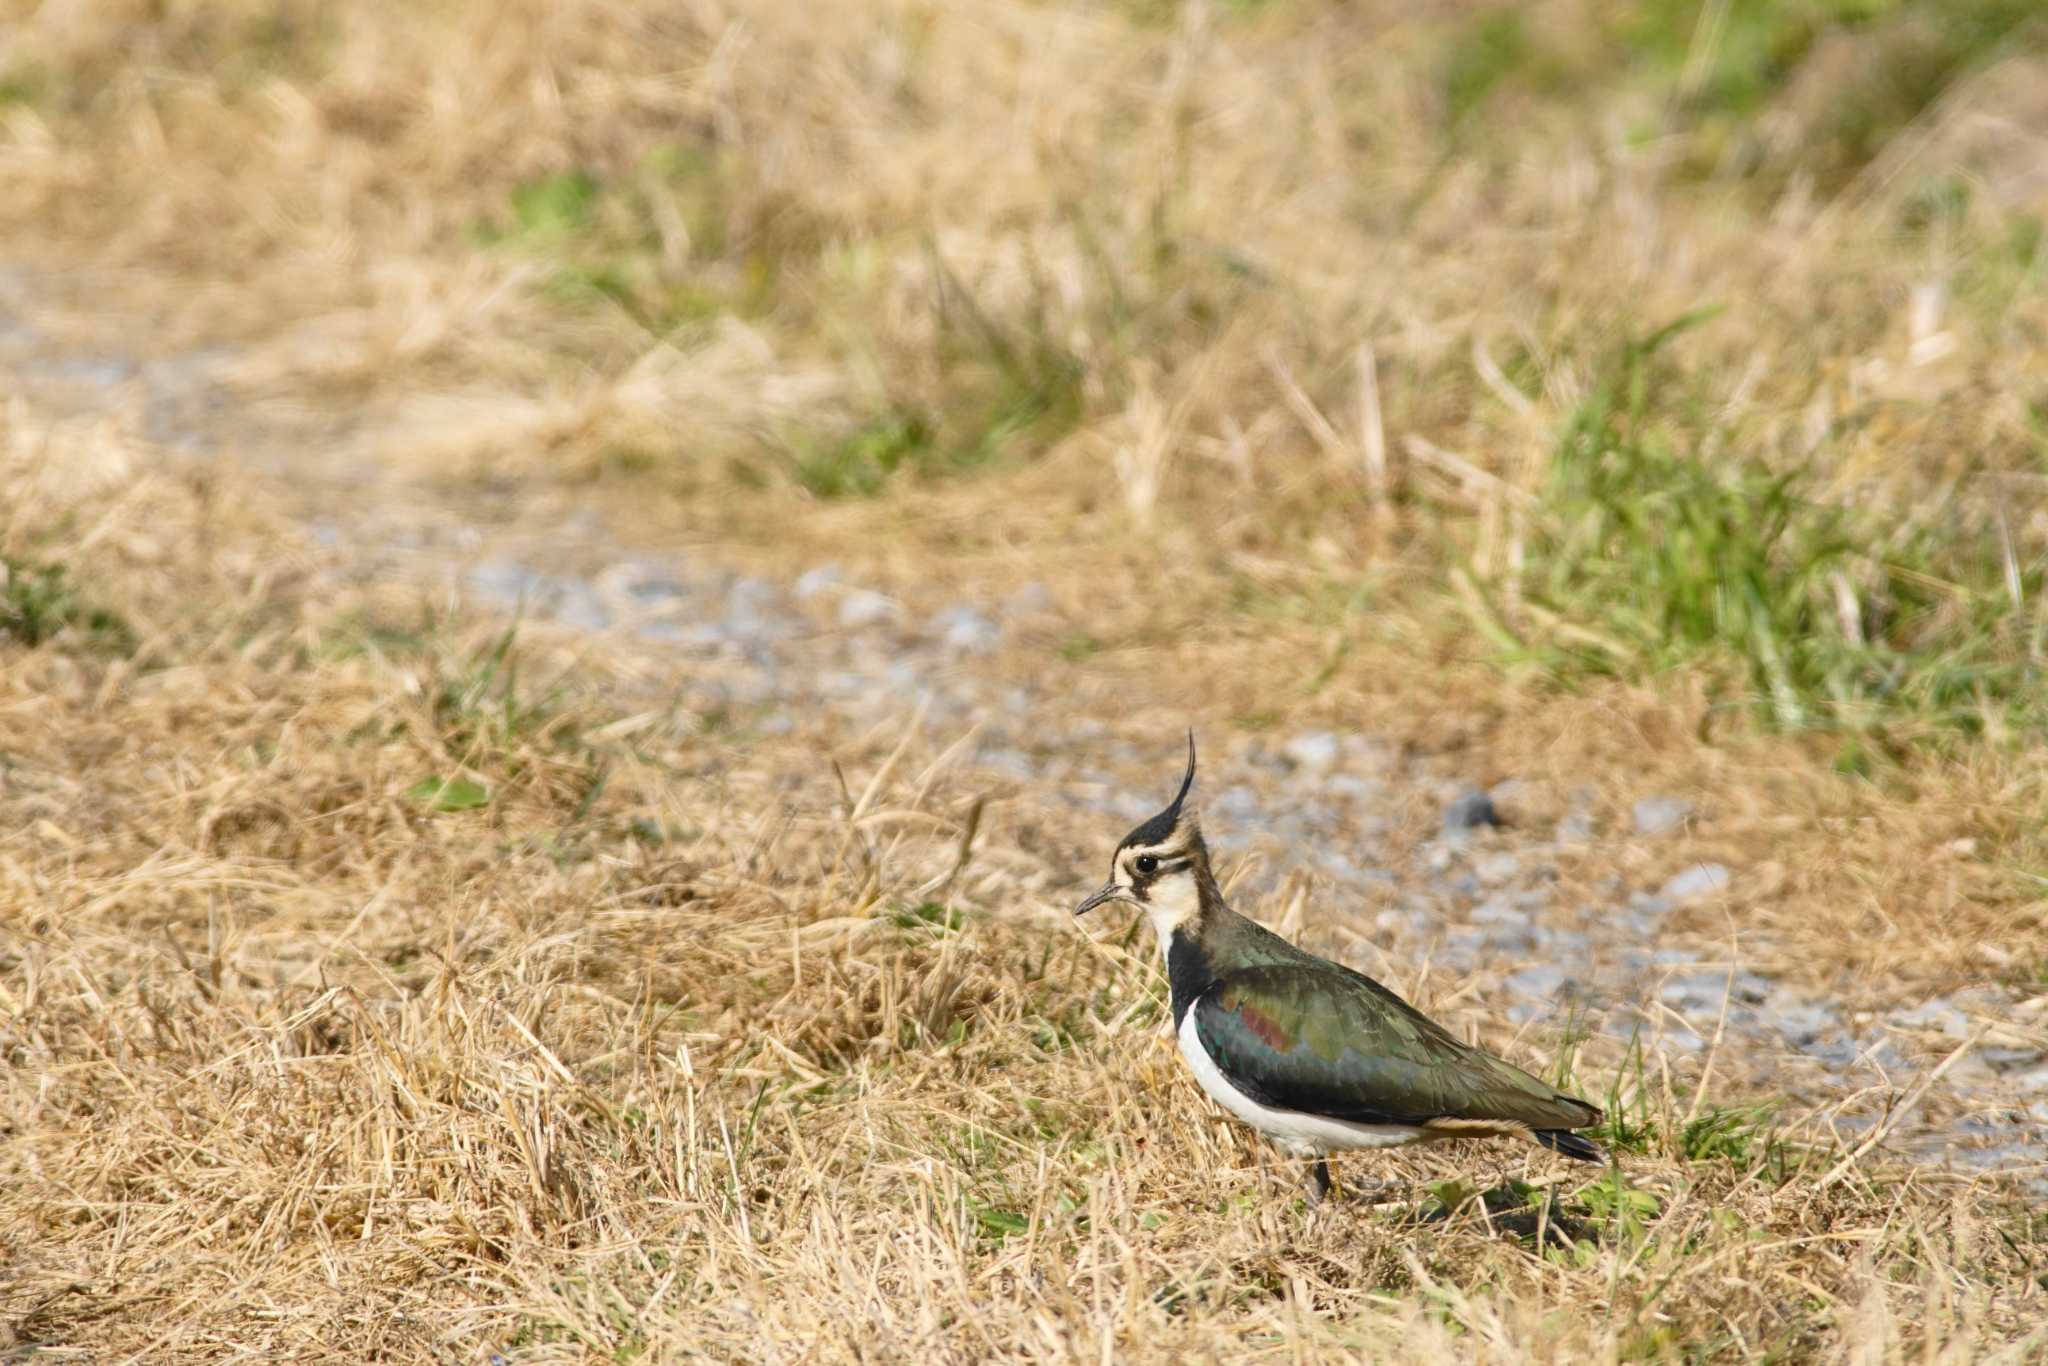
(1494,869)
(1471,810)
(1700,880)
(965,630)
(653,586)
(1706,990)
(1342,868)
(1647,907)
(1539,980)
(1029,600)
(1577,827)
(1937,1014)
(1014,762)
(1495,911)
(812,582)
(864,607)
(1660,815)
(1315,751)
(1804,1023)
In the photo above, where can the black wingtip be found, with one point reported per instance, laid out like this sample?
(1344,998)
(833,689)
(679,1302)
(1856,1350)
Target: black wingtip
(1569,1144)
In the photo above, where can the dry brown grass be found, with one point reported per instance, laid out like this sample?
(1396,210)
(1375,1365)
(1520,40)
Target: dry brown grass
(649,1056)
(297,1069)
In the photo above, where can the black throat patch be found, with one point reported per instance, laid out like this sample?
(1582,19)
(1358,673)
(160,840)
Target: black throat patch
(1189,973)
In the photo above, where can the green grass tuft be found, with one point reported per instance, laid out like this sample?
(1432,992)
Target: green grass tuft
(1665,543)
(38,604)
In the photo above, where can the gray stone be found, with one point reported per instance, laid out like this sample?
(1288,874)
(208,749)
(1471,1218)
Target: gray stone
(2009,1059)
(1014,762)
(1659,815)
(750,615)
(1938,1014)
(1495,911)
(1700,880)
(812,582)
(1703,992)
(1029,600)
(1316,751)
(865,607)
(1648,907)
(1471,810)
(1402,920)
(1494,869)
(1351,786)
(651,585)
(1577,827)
(1342,868)
(1803,1023)
(1540,981)
(965,630)
(1876,1051)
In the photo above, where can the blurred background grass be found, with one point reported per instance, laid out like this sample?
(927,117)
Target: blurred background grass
(1679,335)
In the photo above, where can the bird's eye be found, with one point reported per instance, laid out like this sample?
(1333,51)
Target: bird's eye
(1147,864)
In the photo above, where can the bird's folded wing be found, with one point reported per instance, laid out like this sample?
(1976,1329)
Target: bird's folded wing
(1321,1040)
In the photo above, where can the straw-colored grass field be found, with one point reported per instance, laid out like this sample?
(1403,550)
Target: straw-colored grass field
(585,583)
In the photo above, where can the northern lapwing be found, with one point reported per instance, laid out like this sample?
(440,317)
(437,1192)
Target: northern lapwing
(1314,1055)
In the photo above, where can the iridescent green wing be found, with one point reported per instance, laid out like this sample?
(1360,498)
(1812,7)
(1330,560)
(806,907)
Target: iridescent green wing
(1320,1039)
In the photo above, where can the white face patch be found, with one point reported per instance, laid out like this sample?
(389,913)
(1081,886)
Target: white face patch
(1172,901)
(1162,880)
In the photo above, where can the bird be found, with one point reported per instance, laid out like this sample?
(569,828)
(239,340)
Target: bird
(1316,1056)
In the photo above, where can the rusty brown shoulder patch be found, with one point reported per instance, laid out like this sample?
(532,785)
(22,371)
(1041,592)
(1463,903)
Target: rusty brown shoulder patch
(1269,1030)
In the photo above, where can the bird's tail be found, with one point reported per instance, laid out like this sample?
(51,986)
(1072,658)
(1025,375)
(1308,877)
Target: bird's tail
(1571,1145)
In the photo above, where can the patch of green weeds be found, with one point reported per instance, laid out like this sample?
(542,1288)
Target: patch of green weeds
(23,85)
(1720,68)
(1626,1211)
(1664,543)
(1726,73)
(481,711)
(1021,382)
(449,794)
(672,242)
(553,207)
(930,916)
(1163,12)
(859,463)
(39,604)
(1626,1125)
(998,1222)
(1733,1134)
(1742,1136)
(1482,54)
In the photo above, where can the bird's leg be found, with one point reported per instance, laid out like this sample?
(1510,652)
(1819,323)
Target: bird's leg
(1319,1183)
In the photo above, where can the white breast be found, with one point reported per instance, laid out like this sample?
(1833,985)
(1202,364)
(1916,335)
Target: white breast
(1301,1134)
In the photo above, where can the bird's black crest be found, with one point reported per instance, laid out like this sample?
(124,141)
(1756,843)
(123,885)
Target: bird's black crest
(1160,826)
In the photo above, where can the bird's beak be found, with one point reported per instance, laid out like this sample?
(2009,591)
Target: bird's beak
(1110,892)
